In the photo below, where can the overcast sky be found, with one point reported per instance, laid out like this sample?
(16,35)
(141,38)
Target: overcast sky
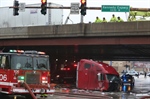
(91,14)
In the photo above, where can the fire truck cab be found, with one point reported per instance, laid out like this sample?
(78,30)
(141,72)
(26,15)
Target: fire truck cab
(92,75)
(19,68)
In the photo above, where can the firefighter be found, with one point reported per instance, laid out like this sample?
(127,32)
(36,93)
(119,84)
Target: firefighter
(113,19)
(43,95)
(104,20)
(119,19)
(98,20)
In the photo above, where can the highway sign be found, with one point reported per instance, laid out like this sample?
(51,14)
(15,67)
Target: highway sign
(22,7)
(74,8)
(115,8)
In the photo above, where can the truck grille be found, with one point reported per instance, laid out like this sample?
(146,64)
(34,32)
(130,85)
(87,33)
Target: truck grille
(113,87)
(32,78)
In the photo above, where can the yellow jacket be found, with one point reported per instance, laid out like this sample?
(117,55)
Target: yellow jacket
(98,20)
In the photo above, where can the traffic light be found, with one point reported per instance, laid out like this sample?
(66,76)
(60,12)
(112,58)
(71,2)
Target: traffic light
(83,7)
(16,9)
(43,6)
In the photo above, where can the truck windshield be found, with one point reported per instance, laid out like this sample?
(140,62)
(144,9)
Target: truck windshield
(111,77)
(41,63)
(29,63)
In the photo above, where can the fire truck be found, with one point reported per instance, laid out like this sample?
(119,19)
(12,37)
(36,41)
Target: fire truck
(24,73)
(92,75)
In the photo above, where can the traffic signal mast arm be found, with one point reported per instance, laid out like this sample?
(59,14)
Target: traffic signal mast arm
(89,8)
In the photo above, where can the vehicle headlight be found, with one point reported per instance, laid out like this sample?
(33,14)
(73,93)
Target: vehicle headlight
(44,79)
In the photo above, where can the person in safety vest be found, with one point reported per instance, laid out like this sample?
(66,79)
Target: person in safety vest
(104,20)
(98,20)
(133,18)
(113,19)
(119,19)
(43,95)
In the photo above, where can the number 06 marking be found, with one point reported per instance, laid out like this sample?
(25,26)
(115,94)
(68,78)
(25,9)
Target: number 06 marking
(3,77)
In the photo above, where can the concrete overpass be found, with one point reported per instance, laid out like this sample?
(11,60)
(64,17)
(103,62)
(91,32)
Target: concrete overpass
(127,39)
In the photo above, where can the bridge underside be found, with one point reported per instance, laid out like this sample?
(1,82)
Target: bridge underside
(110,48)
(96,52)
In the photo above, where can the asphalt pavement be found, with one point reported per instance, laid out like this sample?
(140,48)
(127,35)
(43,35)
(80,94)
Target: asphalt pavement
(141,89)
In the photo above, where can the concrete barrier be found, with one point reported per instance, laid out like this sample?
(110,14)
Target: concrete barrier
(78,30)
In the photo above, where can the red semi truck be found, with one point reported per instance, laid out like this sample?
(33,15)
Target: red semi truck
(92,75)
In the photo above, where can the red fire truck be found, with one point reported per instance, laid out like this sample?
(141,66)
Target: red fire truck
(24,72)
(92,75)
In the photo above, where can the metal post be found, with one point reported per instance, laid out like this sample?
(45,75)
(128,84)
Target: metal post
(82,18)
(67,19)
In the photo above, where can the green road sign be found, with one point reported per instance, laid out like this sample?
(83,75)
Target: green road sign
(115,8)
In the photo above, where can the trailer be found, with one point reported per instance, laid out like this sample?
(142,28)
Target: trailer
(31,17)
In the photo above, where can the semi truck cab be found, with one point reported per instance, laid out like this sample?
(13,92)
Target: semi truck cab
(92,75)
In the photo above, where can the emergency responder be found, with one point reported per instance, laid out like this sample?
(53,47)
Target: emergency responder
(104,20)
(144,74)
(119,19)
(98,20)
(43,95)
(133,18)
(113,19)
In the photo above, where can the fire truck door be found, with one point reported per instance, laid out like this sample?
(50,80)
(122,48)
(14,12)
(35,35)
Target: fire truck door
(4,75)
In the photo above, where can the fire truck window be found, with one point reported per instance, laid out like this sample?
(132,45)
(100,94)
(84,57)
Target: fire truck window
(28,65)
(21,62)
(18,66)
(7,63)
(4,62)
(41,63)
(1,65)
(87,66)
